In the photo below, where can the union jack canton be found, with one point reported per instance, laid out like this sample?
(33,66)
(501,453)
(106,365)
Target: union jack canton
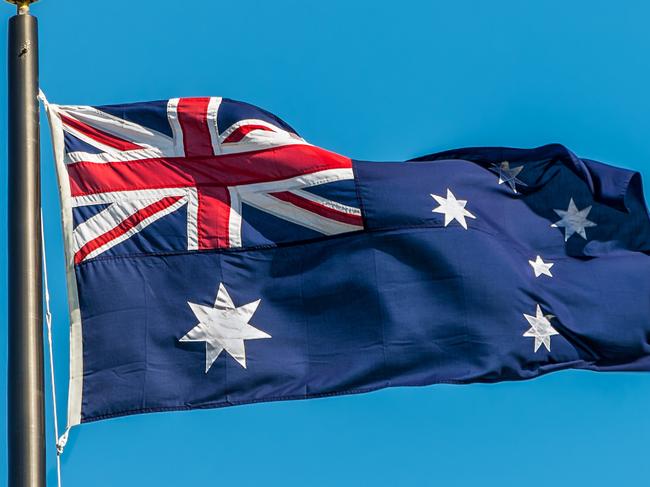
(144,161)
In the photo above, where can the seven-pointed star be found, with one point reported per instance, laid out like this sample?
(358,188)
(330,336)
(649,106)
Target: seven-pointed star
(224,327)
(540,328)
(540,267)
(508,174)
(573,220)
(452,208)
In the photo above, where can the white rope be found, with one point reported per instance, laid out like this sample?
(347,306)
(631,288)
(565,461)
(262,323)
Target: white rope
(60,442)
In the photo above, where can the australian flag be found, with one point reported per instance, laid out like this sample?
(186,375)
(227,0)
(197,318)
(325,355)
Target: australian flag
(216,258)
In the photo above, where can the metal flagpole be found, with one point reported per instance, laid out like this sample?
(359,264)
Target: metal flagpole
(26,418)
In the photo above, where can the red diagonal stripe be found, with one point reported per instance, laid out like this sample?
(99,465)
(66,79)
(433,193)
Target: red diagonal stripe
(317,208)
(125,226)
(240,132)
(193,118)
(99,135)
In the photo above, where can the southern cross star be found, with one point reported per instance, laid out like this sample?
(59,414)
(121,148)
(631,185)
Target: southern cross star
(574,220)
(452,208)
(540,267)
(540,328)
(224,327)
(508,174)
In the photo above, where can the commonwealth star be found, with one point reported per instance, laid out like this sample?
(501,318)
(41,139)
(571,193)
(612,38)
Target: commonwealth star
(224,327)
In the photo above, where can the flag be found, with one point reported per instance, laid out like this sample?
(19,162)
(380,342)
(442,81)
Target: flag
(214,257)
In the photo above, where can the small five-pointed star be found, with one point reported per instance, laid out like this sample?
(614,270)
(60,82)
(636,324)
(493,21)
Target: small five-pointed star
(574,220)
(540,267)
(540,329)
(452,208)
(508,175)
(224,327)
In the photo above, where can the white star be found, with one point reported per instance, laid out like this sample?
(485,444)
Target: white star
(573,220)
(509,175)
(452,208)
(224,326)
(540,267)
(540,329)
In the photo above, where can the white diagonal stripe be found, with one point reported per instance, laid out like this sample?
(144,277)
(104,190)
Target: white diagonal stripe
(297,215)
(106,220)
(140,226)
(249,121)
(334,205)
(257,196)
(117,156)
(119,127)
(126,203)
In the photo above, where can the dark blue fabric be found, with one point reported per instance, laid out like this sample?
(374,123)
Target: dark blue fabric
(408,301)
(168,234)
(340,191)
(82,213)
(152,114)
(232,111)
(262,229)
(75,144)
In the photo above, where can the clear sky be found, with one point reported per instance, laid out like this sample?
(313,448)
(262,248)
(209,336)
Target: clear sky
(373,80)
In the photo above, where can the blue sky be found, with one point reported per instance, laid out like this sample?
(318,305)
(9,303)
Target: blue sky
(372,80)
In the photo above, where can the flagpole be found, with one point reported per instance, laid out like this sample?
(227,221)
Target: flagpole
(26,418)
